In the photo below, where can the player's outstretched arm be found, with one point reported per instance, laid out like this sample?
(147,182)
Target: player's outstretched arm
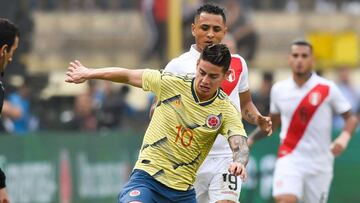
(77,73)
(258,134)
(341,142)
(240,151)
(251,114)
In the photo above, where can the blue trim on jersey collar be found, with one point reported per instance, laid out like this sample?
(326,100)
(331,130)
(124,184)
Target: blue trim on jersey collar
(196,98)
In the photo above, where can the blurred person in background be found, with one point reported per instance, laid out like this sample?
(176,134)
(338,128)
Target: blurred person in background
(242,28)
(84,114)
(189,8)
(350,92)
(261,97)
(177,139)
(9,40)
(214,183)
(304,105)
(114,109)
(155,12)
(19,98)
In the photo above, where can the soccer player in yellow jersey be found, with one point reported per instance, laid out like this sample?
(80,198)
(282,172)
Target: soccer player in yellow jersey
(190,114)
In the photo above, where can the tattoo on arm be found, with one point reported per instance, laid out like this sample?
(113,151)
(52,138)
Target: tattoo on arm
(240,149)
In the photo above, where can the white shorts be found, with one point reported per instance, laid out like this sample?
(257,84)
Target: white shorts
(213,181)
(296,179)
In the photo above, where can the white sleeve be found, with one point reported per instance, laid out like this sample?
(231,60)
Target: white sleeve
(244,77)
(274,108)
(171,66)
(338,102)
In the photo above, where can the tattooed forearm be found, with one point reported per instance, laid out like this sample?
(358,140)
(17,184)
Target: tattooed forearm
(239,148)
(249,117)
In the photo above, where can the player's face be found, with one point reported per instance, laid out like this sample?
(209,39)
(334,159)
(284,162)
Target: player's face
(208,29)
(301,59)
(208,79)
(6,56)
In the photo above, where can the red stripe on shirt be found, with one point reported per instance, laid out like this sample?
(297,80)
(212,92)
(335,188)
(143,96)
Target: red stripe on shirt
(231,81)
(301,118)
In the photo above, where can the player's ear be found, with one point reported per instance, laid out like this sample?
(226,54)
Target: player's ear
(193,29)
(3,50)
(225,30)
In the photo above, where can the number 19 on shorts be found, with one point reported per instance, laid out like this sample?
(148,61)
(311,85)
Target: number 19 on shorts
(231,180)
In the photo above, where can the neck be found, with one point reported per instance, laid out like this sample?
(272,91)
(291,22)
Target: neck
(206,98)
(301,79)
(198,48)
(2,64)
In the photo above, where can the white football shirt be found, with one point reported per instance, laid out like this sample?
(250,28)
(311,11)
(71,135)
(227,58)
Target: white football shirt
(306,120)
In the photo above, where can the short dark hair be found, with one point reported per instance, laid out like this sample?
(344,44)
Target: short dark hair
(302,42)
(211,9)
(217,54)
(8,32)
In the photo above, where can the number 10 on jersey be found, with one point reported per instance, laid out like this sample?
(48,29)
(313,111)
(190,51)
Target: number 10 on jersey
(184,136)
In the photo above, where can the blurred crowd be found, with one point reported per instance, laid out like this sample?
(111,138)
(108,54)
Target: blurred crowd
(126,4)
(103,106)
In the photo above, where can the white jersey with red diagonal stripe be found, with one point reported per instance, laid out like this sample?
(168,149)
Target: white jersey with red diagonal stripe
(306,119)
(236,83)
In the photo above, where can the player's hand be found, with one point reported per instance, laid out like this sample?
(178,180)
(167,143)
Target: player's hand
(76,72)
(340,143)
(4,196)
(265,124)
(238,169)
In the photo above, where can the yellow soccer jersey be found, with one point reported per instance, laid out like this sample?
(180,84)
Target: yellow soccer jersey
(182,129)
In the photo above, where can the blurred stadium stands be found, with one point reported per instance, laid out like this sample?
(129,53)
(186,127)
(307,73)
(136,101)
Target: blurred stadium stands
(104,39)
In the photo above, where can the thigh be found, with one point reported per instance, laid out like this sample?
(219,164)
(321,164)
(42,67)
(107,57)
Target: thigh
(187,197)
(142,188)
(287,180)
(139,194)
(203,178)
(317,187)
(224,186)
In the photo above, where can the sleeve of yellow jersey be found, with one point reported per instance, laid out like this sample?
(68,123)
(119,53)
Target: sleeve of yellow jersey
(232,124)
(151,81)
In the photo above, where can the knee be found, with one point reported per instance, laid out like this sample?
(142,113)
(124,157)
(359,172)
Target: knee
(225,201)
(285,199)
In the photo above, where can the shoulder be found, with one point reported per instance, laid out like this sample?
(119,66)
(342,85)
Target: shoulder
(225,100)
(238,57)
(182,65)
(281,86)
(176,77)
(222,95)
(281,83)
(325,81)
(226,104)
(180,59)
(237,60)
